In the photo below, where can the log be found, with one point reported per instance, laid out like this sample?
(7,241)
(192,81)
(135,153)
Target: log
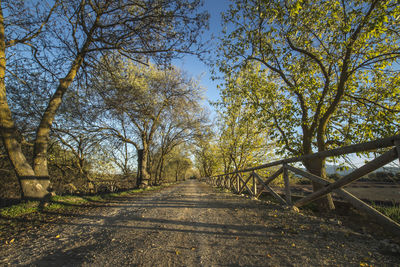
(357,174)
(276,195)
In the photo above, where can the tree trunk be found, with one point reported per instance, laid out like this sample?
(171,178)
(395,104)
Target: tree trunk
(149,164)
(139,168)
(177,170)
(143,175)
(316,167)
(32,186)
(160,169)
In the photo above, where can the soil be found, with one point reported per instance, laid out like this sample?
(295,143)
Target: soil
(191,224)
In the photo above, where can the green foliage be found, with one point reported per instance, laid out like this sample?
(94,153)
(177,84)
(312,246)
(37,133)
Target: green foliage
(320,73)
(205,152)
(19,209)
(69,199)
(243,140)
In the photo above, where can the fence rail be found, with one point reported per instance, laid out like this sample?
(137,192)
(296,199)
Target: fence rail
(238,181)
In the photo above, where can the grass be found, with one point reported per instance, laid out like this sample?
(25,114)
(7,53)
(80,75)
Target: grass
(393,212)
(59,203)
(20,209)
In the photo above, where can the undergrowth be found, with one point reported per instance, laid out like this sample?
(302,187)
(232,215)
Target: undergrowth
(392,212)
(58,203)
(20,209)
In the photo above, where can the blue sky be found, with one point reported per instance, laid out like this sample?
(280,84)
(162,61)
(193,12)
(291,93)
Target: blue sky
(192,65)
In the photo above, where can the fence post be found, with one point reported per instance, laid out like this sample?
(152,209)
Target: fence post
(287,185)
(237,183)
(254,185)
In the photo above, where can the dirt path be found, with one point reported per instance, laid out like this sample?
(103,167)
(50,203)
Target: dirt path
(190,224)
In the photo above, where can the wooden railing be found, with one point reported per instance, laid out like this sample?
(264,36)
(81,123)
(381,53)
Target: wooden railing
(238,182)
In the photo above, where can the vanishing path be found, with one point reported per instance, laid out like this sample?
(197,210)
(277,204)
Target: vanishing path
(191,224)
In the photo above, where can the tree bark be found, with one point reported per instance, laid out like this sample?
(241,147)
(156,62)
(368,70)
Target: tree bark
(139,170)
(43,131)
(143,175)
(32,187)
(317,167)
(160,170)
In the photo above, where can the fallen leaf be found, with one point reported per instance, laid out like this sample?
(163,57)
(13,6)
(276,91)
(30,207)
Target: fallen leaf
(57,236)
(12,240)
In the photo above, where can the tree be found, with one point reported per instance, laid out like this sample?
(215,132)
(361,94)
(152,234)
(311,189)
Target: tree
(243,139)
(180,125)
(141,97)
(205,151)
(64,40)
(322,63)
(177,164)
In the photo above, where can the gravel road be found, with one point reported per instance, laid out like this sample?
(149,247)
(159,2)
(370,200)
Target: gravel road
(192,224)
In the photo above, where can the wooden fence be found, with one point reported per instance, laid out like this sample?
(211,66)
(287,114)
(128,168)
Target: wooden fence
(238,181)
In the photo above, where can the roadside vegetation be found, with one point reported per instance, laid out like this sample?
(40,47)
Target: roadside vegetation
(67,202)
(90,100)
(392,211)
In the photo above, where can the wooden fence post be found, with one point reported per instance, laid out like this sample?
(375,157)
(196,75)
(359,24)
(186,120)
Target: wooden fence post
(287,185)
(254,185)
(237,183)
